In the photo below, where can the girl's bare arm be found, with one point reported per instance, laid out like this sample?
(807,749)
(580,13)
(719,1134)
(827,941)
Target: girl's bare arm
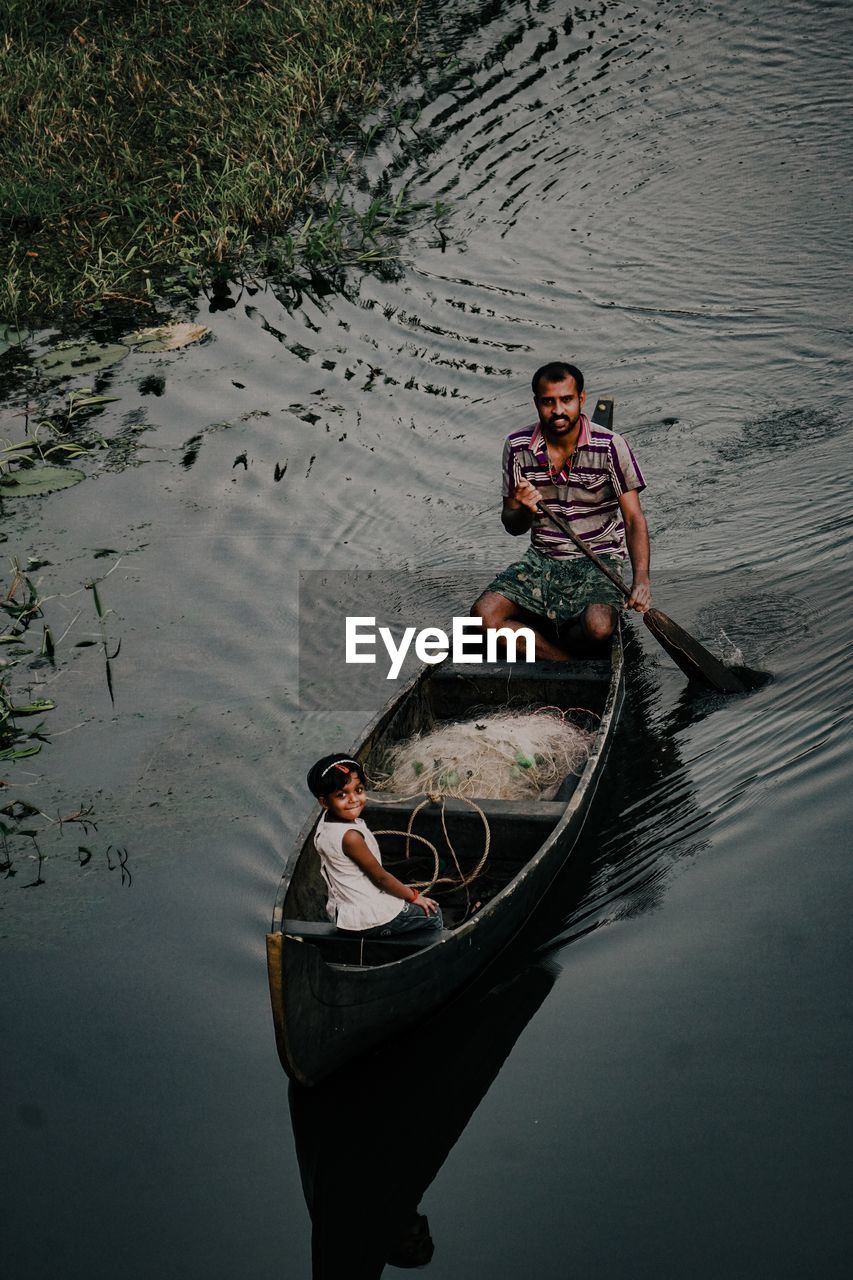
(355,847)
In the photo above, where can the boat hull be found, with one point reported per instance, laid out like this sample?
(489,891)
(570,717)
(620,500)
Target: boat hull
(326,1014)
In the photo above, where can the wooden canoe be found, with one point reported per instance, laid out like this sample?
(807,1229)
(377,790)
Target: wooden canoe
(334,998)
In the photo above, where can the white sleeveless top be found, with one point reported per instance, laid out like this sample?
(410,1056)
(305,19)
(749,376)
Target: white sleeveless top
(354,901)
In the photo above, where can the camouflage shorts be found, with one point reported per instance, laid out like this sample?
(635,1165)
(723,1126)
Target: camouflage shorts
(557,589)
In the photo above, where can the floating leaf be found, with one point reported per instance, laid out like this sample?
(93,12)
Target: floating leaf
(12,336)
(168,337)
(12,753)
(34,708)
(81,357)
(32,482)
(90,403)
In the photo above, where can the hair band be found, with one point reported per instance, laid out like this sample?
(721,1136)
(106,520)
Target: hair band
(339,764)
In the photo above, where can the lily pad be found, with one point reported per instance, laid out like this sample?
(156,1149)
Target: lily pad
(12,336)
(81,357)
(32,482)
(168,337)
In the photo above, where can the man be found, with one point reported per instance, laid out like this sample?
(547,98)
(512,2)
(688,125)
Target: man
(589,476)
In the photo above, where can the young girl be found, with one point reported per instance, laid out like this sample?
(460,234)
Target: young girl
(364,898)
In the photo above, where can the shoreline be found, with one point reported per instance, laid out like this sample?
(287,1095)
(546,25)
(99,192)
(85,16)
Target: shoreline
(175,141)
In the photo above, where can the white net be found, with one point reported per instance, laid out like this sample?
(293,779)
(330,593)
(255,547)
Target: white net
(506,755)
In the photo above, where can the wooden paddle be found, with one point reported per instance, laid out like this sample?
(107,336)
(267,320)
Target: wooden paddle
(686,652)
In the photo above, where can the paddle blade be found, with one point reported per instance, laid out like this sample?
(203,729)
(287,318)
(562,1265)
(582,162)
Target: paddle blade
(688,654)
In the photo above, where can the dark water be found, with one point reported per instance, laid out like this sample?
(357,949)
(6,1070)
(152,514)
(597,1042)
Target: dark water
(661,1086)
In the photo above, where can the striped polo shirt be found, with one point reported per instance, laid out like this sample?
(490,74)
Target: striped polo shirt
(585,493)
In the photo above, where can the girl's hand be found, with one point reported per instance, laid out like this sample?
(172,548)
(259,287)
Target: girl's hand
(428,905)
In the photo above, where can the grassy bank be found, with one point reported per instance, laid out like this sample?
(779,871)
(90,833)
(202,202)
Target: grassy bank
(144,134)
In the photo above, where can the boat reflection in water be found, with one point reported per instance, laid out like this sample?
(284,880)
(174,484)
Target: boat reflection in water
(371,1140)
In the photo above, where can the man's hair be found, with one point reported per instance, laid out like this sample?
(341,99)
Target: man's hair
(557,371)
(331,773)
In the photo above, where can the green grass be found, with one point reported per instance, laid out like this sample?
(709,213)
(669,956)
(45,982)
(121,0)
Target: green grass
(146,135)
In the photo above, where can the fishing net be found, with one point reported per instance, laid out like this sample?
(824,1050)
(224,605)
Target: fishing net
(505,755)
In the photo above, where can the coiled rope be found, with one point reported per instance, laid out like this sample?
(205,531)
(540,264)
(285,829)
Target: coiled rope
(409,834)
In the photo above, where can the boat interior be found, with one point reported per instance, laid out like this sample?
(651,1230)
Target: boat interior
(516,829)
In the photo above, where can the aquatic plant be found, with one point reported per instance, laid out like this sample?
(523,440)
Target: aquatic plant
(24,824)
(34,481)
(103,614)
(36,465)
(167,337)
(147,137)
(22,605)
(11,335)
(72,358)
(336,235)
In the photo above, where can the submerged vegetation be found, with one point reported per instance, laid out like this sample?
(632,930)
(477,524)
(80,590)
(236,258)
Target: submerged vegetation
(36,461)
(22,606)
(144,138)
(28,666)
